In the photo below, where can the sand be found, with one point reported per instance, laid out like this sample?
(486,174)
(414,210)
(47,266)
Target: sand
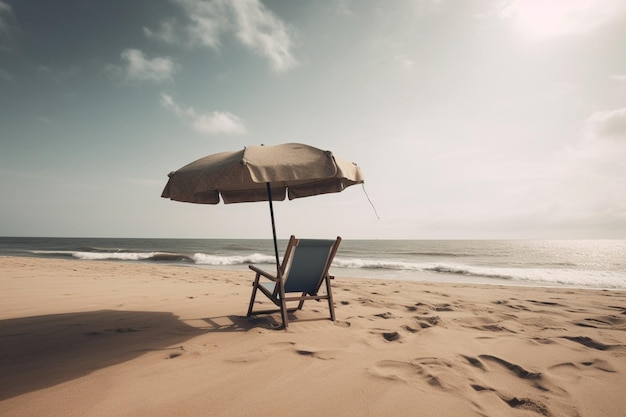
(88,338)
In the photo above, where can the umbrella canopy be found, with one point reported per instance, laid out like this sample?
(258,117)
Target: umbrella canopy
(291,169)
(262,173)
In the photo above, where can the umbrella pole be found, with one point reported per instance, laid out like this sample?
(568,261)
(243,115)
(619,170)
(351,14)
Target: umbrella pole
(279,275)
(269,198)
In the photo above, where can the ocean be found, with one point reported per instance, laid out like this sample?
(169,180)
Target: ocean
(599,264)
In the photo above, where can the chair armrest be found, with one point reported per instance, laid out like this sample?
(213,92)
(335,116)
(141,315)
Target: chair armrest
(262,272)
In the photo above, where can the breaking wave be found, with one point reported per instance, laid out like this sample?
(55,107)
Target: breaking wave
(535,275)
(167,257)
(543,276)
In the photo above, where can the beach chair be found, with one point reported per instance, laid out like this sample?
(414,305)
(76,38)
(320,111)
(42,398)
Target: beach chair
(300,276)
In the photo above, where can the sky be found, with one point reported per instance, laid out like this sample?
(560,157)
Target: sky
(471,119)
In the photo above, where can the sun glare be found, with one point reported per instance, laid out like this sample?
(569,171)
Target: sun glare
(547,19)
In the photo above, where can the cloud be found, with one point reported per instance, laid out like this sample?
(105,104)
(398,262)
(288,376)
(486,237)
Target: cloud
(574,192)
(168,102)
(219,122)
(137,67)
(213,123)
(260,30)
(6,12)
(166,32)
(252,24)
(607,125)
(600,151)
(7,26)
(540,19)
(595,173)
(207,21)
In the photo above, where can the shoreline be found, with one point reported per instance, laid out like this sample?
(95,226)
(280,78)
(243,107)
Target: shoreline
(348,273)
(542,263)
(114,338)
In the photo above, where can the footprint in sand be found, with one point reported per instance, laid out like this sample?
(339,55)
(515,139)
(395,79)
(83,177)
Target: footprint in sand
(370,303)
(576,370)
(391,336)
(317,354)
(426,322)
(494,328)
(603,322)
(477,387)
(545,303)
(534,379)
(527,404)
(475,362)
(516,369)
(542,341)
(621,308)
(589,342)
(410,329)
(404,371)
(513,306)
(600,364)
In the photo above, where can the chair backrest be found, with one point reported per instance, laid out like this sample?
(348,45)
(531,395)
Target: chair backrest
(308,263)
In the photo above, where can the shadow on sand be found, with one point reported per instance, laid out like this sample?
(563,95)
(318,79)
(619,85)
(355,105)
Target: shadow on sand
(42,351)
(233,323)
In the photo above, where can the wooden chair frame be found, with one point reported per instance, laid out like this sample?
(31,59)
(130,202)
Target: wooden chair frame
(275,290)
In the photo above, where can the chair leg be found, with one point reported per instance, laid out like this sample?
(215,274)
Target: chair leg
(283,314)
(283,304)
(301,303)
(331,304)
(253,296)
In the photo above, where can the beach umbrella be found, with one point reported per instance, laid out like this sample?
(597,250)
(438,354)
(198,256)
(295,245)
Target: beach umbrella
(262,173)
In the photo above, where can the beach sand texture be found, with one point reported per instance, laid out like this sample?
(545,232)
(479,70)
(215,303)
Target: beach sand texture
(90,338)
